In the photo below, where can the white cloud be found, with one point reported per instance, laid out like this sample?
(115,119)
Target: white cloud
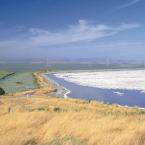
(83,31)
(131,3)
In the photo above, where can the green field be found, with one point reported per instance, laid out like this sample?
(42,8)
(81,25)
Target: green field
(17,82)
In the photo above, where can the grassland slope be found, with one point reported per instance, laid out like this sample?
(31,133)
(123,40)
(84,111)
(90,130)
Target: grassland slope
(43,120)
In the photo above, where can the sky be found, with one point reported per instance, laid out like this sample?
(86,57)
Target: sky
(112,29)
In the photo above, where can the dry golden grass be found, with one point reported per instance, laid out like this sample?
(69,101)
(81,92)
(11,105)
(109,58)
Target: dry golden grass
(42,120)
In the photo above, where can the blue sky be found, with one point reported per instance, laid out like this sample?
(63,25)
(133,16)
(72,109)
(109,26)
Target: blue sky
(72,29)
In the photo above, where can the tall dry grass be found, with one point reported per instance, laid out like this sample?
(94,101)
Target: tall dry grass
(55,121)
(40,120)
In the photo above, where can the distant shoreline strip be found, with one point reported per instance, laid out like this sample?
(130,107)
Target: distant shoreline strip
(59,87)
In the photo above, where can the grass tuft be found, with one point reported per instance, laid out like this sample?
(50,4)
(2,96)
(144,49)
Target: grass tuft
(31,142)
(66,141)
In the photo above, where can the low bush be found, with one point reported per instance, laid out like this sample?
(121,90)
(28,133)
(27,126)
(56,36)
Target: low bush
(2,92)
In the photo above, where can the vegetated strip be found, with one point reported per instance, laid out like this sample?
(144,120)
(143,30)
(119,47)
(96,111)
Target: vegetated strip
(7,75)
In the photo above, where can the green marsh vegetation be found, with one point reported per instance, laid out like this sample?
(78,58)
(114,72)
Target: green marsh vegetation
(2,92)
(4,74)
(16,82)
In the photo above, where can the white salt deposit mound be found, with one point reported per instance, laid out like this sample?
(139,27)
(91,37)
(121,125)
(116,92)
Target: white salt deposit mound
(124,79)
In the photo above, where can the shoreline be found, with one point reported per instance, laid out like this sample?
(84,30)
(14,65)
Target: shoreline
(99,70)
(44,87)
(65,95)
(60,89)
(48,87)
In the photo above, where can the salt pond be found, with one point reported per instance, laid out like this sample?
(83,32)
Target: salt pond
(123,87)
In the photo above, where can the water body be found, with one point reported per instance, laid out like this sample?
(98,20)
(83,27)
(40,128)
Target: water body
(18,82)
(21,67)
(132,98)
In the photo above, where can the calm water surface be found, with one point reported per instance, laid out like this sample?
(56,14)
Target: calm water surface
(114,96)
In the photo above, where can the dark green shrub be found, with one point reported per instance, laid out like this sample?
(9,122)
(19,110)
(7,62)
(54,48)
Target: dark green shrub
(2,92)
(56,109)
(30,142)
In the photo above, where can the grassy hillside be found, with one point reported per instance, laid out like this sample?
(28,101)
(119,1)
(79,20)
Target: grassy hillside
(55,121)
(43,120)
